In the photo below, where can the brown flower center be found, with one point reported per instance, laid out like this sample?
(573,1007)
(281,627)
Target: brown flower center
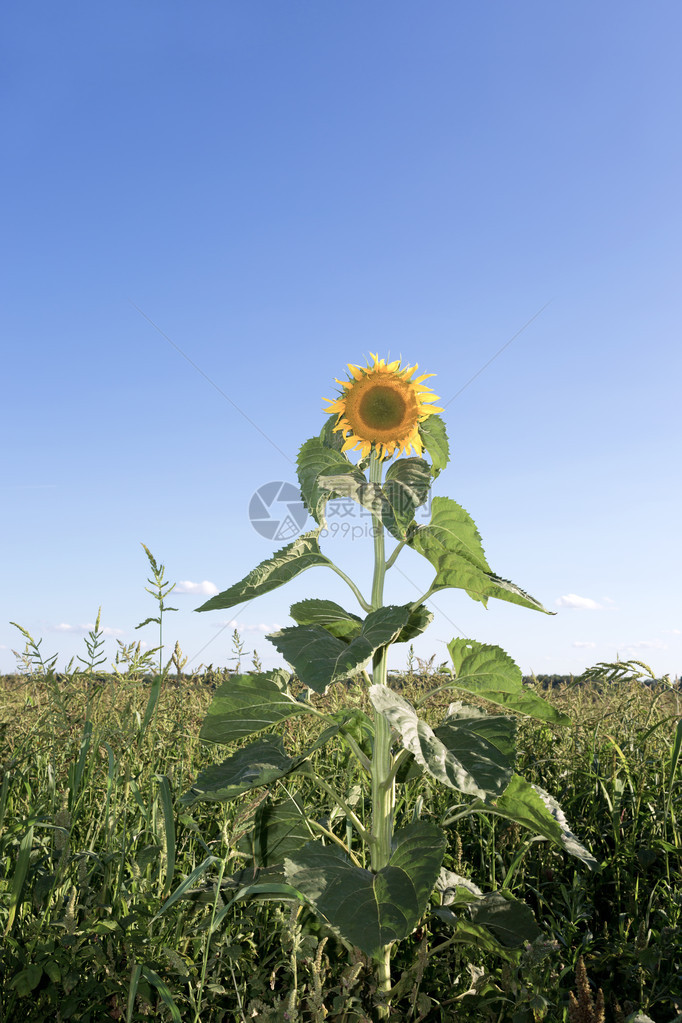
(382,408)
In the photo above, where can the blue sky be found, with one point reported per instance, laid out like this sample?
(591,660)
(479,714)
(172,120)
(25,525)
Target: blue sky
(282,188)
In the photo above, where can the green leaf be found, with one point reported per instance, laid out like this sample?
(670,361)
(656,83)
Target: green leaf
(452,543)
(418,622)
(489,672)
(184,886)
(406,487)
(53,970)
(319,659)
(330,437)
(508,922)
(19,877)
(455,890)
(315,458)
(473,935)
(280,828)
(497,729)
(511,921)
(434,437)
(371,910)
(353,485)
(246,704)
(314,654)
(304,552)
(328,615)
(27,980)
(259,763)
(472,766)
(483,744)
(536,810)
(164,992)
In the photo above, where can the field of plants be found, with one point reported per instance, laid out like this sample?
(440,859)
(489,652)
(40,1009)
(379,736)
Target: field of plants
(338,843)
(117,900)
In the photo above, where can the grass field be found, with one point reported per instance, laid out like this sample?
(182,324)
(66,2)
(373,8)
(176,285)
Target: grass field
(93,843)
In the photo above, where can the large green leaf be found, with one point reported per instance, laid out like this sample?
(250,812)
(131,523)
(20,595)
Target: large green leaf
(406,487)
(452,543)
(419,620)
(482,743)
(353,485)
(328,615)
(509,922)
(473,765)
(465,932)
(370,910)
(285,564)
(455,890)
(315,458)
(535,809)
(280,828)
(246,704)
(320,659)
(259,763)
(346,625)
(330,437)
(489,672)
(435,439)
(499,729)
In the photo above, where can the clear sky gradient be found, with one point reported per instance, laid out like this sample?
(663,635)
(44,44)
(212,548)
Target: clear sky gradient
(210,208)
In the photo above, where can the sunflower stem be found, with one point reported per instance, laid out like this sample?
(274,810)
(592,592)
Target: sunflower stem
(383,780)
(358,596)
(394,554)
(424,597)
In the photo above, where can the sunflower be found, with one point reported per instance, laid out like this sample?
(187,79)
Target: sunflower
(382,407)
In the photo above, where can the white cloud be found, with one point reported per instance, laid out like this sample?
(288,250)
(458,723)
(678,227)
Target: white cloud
(586,644)
(205,588)
(582,603)
(81,630)
(243,627)
(646,644)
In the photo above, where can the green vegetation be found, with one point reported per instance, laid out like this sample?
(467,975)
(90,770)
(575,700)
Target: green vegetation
(94,842)
(371,885)
(365,849)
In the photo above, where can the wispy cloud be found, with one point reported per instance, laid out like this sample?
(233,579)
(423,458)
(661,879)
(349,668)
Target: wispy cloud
(583,644)
(81,630)
(581,603)
(205,589)
(244,627)
(646,644)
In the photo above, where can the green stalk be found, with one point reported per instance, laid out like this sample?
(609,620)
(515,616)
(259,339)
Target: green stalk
(383,783)
(358,596)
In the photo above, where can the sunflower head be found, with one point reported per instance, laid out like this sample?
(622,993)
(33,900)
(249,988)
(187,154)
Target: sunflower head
(381,408)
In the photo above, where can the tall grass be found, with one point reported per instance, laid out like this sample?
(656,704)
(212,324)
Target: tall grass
(93,844)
